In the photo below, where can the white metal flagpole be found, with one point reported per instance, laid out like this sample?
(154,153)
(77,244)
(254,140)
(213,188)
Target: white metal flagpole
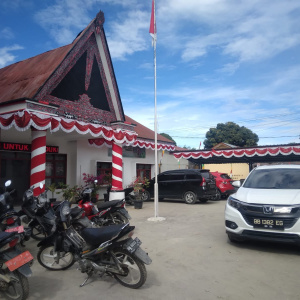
(153,34)
(155,124)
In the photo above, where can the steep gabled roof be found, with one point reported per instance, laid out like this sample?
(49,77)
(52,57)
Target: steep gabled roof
(78,79)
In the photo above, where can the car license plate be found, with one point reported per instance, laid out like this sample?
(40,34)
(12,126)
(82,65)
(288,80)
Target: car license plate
(18,229)
(132,245)
(19,261)
(268,223)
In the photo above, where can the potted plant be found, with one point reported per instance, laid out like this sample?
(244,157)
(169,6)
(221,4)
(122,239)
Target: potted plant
(95,182)
(52,188)
(70,193)
(139,184)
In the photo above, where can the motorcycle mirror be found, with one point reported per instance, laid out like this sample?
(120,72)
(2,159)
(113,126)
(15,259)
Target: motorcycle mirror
(7,183)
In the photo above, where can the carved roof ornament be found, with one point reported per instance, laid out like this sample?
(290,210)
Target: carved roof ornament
(99,21)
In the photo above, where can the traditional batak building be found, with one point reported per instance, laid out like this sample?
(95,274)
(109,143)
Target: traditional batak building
(61,115)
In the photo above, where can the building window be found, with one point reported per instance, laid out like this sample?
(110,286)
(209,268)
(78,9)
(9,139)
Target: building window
(105,169)
(129,151)
(143,170)
(56,168)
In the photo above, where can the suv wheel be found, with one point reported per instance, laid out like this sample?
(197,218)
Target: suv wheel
(217,195)
(145,196)
(189,197)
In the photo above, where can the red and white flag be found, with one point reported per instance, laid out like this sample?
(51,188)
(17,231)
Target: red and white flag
(152,29)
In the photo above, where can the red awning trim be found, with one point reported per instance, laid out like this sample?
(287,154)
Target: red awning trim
(273,151)
(25,119)
(138,143)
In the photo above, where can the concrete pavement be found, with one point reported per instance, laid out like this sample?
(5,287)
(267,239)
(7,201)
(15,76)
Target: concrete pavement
(192,259)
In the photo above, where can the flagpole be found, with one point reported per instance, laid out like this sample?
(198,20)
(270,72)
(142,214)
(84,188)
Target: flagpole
(153,34)
(155,125)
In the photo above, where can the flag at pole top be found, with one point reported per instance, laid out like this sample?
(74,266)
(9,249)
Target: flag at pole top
(152,29)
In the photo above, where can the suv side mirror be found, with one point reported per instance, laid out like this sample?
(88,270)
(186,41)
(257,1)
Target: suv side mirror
(236,183)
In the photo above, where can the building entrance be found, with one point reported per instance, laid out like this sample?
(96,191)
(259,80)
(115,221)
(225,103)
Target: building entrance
(15,166)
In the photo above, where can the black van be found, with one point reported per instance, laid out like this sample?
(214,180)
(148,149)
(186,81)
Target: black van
(188,184)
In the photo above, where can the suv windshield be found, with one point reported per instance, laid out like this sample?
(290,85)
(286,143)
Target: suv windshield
(273,179)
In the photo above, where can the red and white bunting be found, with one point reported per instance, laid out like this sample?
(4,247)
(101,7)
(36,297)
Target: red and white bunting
(24,120)
(273,151)
(138,143)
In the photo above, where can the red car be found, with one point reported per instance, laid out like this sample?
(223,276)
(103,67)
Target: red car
(223,183)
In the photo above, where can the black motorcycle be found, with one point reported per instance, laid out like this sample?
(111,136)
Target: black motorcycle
(9,218)
(40,215)
(14,267)
(106,250)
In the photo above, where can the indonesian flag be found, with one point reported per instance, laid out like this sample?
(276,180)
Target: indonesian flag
(152,29)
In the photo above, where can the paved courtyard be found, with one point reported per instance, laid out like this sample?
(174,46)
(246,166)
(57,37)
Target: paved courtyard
(192,259)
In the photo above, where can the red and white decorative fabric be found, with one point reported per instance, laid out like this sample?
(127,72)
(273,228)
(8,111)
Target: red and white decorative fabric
(138,143)
(273,151)
(38,160)
(117,168)
(25,119)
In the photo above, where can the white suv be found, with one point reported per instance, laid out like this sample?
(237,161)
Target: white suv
(266,206)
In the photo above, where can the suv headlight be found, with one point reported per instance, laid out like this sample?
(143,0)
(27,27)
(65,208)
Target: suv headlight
(234,202)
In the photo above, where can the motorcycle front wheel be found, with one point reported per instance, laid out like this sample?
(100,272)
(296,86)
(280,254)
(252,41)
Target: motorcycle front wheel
(17,288)
(53,260)
(37,232)
(135,271)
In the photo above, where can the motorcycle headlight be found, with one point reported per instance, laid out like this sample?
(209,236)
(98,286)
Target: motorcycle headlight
(65,210)
(234,202)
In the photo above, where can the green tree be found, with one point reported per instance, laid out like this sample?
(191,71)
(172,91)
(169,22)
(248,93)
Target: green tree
(168,137)
(230,133)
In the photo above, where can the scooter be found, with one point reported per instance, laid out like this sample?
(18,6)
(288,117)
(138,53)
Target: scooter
(14,267)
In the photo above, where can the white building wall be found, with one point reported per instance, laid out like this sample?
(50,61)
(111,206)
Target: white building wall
(82,158)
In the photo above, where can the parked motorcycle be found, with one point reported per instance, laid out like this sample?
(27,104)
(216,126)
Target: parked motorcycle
(14,267)
(9,218)
(107,213)
(37,213)
(109,249)
(40,214)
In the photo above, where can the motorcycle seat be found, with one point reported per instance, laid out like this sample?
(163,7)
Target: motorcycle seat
(97,236)
(5,235)
(108,204)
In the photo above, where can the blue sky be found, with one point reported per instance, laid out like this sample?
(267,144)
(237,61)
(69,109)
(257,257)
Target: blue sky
(217,60)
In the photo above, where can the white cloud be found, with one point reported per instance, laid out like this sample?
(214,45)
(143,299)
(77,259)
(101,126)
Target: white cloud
(128,36)
(6,33)
(245,31)
(6,57)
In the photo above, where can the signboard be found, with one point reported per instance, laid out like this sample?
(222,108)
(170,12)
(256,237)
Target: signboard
(5,146)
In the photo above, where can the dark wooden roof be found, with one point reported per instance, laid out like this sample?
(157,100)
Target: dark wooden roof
(24,78)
